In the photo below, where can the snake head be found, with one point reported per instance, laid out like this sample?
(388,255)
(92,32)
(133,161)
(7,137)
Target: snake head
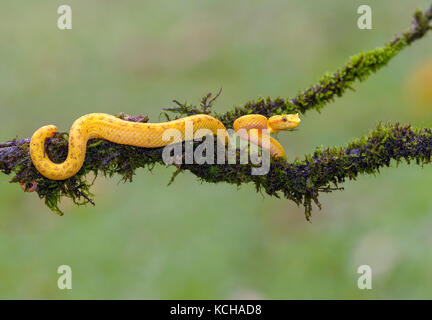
(28,186)
(284,122)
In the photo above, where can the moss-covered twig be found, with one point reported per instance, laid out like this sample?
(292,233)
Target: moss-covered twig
(331,85)
(301,181)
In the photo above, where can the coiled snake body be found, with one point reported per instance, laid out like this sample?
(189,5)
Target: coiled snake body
(147,135)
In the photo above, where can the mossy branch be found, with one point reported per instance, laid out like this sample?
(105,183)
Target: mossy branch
(301,181)
(331,85)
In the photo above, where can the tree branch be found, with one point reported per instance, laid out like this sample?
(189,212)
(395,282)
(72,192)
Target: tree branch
(331,85)
(301,181)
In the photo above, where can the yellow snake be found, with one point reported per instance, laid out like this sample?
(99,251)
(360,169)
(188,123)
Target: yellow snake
(147,135)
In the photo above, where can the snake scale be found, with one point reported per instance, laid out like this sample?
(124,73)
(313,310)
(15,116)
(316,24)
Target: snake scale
(146,135)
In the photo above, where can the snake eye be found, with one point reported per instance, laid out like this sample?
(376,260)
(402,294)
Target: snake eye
(284,119)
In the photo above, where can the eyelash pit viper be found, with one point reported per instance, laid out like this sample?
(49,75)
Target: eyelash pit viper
(147,135)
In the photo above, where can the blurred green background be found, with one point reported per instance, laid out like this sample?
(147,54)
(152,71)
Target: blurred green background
(193,240)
